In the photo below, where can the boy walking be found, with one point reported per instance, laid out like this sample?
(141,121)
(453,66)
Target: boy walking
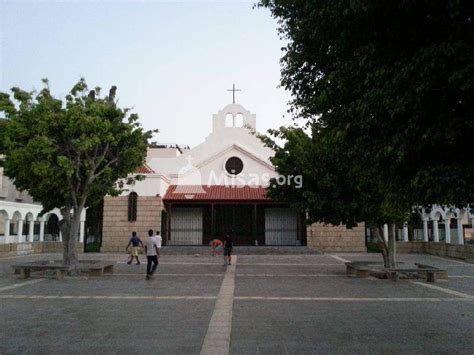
(152,249)
(135,242)
(228,245)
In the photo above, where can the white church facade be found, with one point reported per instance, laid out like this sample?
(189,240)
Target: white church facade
(216,188)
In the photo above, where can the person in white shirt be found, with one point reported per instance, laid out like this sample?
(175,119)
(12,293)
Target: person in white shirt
(152,249)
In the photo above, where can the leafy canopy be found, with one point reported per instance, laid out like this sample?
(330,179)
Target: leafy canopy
(334,190)
(72,152)
(386,89)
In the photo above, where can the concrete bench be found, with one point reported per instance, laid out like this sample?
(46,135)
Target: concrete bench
(441,273)
(358,268)
(431,274)
(97,268)
(24,269)
(93,268)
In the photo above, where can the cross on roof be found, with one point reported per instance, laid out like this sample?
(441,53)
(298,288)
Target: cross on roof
(233,92)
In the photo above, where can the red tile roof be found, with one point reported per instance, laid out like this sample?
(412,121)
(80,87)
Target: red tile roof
(215,192)
(144,169)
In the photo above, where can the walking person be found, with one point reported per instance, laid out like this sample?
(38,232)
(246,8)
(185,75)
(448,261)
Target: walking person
(136,242)
(152,249)
(228,245)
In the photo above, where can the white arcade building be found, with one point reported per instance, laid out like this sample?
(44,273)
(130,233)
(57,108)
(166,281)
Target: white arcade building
(23,230)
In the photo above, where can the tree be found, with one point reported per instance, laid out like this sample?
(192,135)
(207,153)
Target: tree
(334,189)
(3,126)
(69,154)
(386,89)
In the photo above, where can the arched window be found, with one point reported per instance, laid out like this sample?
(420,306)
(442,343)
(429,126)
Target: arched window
(239,120)
(229,120)
(132,206)
(51,232)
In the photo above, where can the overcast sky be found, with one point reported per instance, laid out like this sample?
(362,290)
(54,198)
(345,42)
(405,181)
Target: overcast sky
(172,62)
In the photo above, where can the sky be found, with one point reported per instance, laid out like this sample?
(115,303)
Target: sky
(171,61)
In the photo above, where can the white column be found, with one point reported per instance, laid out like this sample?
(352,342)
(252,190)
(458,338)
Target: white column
(7,231)
(385,232)
(81,232)
(425,230)
(31,230)
(447,230)
(60,236)
(405,232)
(41,236)
(19,235)
(435,231)
(460,232)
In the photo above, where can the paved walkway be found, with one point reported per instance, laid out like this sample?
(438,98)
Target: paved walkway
(262,304)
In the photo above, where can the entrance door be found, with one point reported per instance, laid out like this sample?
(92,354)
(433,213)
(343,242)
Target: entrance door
(186,226)
(235,220)
(281,226)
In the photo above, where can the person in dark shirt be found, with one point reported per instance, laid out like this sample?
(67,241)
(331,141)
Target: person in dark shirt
(135,242)
(228,244)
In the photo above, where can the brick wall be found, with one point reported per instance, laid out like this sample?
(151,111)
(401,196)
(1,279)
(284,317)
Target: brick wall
(330,238)
(465,252)
(116,230)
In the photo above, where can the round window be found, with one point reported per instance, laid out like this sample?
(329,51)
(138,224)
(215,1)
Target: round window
(234,166)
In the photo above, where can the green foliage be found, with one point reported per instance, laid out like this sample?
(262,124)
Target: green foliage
(92,247)
(386,89)
(69,153)
(3,127)
(373,248)
(335,189)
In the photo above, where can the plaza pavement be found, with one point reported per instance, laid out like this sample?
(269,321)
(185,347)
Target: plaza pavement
(263,304)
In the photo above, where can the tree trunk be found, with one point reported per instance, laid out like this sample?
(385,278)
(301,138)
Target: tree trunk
(64,227)
(378,233)
(69,226)
(392,250)
(388,248)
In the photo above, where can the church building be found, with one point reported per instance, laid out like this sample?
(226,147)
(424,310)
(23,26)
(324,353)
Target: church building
(216,188)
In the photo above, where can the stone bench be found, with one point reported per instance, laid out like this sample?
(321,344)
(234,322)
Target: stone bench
(359,268)
(24,269)
(431,274)
(98,268)
(93,268)
(441,273)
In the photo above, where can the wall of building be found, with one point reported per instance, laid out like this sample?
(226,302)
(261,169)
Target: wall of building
(116,230)
(8,191)
(214,173)
(14,249)
(162,152)
(330,238)
(465,252)
(152,185)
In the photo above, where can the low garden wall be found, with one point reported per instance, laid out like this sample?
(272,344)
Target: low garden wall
(327,238)
(464,252)
(16,249)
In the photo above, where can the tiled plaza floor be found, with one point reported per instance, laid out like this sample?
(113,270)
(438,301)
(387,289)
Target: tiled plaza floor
(281,305)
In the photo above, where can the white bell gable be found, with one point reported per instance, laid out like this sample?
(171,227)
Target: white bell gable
(232,136)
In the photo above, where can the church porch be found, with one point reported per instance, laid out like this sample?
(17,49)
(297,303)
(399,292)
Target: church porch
(243,212)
